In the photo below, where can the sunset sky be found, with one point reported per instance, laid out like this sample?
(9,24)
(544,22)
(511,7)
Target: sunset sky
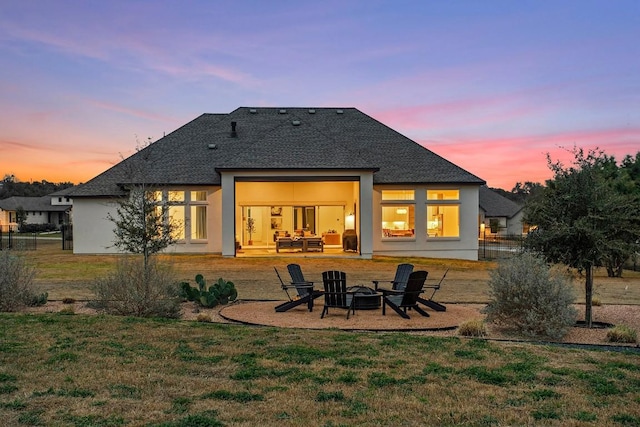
(490,85)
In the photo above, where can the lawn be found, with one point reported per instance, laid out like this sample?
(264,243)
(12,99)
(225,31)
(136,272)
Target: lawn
(73,370)
(64,275)
(76,370)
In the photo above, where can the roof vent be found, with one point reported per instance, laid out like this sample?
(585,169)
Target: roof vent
(253,110)
(296,122)
(212,147)
(312,111)
(283,111)
(339,111)
(234,134)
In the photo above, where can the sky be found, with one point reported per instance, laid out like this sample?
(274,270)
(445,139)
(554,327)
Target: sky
(492,86)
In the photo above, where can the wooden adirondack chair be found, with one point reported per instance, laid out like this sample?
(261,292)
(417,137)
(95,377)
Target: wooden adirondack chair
(400,280)
(402,300)
(304,288)
(335,292)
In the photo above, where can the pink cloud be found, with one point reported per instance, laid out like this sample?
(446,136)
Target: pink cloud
(504,161)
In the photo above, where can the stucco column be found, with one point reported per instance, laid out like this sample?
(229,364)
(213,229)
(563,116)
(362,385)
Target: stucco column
(366,215)
(228,215)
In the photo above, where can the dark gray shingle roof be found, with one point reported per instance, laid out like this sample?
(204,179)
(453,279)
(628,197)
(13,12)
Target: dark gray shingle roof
(495,205)
(32,204)
(278,139)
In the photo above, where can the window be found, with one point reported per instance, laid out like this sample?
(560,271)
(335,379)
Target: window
(198,214)
(443,194)
(398,195)
(443,213)
(398,213)
(187,210)
(398,220)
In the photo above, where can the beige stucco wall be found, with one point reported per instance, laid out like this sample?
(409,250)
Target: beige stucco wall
(463,247)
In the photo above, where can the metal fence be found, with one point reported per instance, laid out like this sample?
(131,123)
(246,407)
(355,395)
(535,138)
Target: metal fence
(496,247)
(67,237)
(11,240)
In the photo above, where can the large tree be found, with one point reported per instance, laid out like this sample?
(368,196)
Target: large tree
(583,216)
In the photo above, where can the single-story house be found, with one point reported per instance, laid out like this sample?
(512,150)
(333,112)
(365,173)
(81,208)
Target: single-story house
(54,209)
(500,216)
(292,173)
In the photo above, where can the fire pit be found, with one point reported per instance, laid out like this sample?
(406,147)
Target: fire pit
(365,298)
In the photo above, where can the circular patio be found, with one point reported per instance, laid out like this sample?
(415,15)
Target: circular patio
(263,313)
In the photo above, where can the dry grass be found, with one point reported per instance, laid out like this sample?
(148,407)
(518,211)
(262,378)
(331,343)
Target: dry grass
(80,370)
(65,275)
(109,371)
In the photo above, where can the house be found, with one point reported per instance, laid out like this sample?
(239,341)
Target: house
(330,172)
(53,209)
(499,216)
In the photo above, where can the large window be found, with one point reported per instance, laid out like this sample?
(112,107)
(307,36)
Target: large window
(398,213)
(443,213)
(187,211)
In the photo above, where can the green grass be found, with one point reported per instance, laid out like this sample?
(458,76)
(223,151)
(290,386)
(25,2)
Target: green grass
(114,371)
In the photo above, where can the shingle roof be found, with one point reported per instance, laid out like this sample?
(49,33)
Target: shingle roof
(32,204)
(278,139)
(495,205)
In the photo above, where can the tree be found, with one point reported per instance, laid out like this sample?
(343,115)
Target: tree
(582,216)
(21,217)
(143,224)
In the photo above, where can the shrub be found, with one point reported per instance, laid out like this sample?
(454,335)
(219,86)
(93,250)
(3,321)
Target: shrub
(16,284)
(472,328)
(531,298)
(622,334)
(37,228)
(133,290)
(203,318)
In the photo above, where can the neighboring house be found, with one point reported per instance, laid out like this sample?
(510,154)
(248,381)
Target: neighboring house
(306,171)
(52,209)
(499,216)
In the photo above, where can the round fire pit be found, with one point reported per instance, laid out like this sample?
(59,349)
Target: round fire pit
(365,298)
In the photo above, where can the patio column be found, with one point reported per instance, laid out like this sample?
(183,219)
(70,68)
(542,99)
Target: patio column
(228,186)
(366,215)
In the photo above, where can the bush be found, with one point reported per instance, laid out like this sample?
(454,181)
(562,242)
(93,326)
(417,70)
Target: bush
(131,290)
(472,328)
(37,228)
(16,284)
(622,334)
(527,296)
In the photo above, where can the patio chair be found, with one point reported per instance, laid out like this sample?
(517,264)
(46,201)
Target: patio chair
(304,288)
(402,300)
(335,292)
(429,302)
(400,281)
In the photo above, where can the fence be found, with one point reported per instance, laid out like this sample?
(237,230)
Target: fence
(9,239)
(67,237)
(495,247)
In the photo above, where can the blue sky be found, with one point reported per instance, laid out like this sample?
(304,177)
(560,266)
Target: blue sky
(490,85)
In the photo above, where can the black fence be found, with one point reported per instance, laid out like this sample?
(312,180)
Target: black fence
(11,240)
(496,247)
(67,237)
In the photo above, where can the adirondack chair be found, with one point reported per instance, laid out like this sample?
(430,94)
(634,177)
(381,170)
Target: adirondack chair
(429,302)
(304,289)
(335,292)
(400,280)
(402,300)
